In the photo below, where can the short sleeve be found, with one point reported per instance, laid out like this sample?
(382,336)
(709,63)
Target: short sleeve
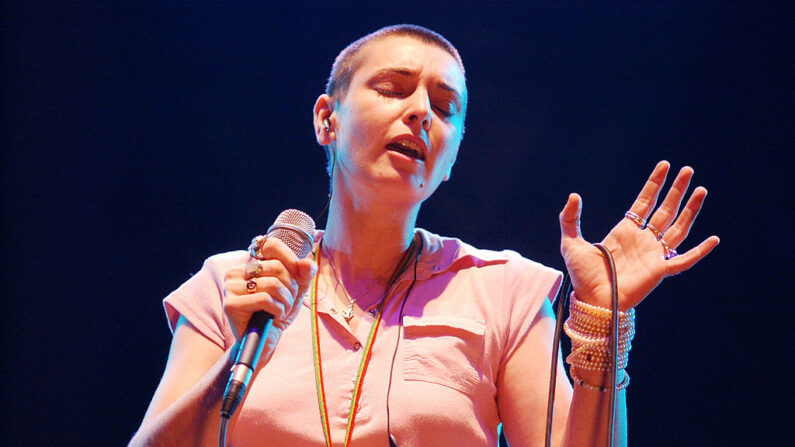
(528,284)
(200,299)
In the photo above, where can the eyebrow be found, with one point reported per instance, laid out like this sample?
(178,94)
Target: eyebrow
(459,98)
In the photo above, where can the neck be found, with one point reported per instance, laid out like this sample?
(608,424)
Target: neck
(368,239)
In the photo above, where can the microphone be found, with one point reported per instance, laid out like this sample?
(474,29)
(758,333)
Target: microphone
(295,229)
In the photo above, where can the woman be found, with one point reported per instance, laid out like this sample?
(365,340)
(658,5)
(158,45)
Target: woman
(433,341)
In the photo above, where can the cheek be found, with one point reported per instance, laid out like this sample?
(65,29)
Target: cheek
(449,148)
(363,127)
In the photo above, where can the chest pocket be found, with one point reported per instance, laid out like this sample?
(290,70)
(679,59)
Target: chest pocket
(443,349)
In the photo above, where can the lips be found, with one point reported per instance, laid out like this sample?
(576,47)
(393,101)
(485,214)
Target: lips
(409,147)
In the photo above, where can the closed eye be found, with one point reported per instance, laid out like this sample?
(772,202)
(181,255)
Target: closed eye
(386,92)
(444,111)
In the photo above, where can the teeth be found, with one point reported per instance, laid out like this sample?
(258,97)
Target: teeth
(411,145)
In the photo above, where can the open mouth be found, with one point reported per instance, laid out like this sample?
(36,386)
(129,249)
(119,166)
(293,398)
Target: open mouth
(408,148)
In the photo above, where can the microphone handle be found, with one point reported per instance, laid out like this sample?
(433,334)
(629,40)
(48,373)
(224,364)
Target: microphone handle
(294,228)
(247,358)
(254,338)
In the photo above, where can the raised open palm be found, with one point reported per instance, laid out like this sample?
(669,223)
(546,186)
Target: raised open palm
(642,258)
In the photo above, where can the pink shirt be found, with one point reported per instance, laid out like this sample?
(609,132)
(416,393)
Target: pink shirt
(467,312)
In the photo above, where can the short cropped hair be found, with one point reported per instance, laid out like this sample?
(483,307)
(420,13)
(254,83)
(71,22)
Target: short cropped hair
(350,59)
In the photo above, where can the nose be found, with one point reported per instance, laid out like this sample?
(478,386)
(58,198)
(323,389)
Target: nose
(419,110)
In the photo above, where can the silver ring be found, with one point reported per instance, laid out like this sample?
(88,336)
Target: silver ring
(253,267)
(256,245)
(669,252)
(641,222)
(656,233)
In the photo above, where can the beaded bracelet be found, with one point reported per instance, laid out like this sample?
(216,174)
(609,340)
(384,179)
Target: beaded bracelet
(581,335)
(582,307)
(588,327)
(579,382)
(598,323)
(596,361)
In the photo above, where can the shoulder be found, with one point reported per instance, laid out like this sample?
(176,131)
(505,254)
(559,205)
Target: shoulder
(452,253)
(218,264)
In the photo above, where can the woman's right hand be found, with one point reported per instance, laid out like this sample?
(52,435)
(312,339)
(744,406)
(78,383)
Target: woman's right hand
(281,282)
(198,368)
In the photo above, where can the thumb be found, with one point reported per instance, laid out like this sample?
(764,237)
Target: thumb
(306,272)
(570,217)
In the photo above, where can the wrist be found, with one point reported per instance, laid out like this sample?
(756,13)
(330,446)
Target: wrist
(600,381)
(599,298)
(596,378)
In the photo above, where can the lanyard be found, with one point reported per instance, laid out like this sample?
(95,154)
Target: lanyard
(357,389)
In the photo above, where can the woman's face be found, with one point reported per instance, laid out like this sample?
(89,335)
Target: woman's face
(398,128)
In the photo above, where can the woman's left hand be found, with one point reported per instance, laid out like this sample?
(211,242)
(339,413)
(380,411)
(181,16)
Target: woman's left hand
(640,258)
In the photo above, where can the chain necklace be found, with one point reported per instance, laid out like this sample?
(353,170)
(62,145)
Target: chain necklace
(348,312)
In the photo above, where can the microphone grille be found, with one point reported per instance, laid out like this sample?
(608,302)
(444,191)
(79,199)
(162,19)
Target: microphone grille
(296,229)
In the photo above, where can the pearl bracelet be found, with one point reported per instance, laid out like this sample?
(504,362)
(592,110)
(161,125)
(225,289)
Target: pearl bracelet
(581,307)
(588,327)
(599,324)
(582,336)
(579,382)
(596,361)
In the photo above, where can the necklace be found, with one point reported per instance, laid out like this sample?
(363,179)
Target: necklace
(368,347)
(348,312)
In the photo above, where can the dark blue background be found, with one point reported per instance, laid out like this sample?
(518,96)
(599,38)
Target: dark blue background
(138,139)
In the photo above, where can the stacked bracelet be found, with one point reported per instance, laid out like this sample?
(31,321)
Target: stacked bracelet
(579,382)
(588,327)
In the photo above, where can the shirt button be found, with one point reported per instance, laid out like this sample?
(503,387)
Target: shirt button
(357,346)
(372,312)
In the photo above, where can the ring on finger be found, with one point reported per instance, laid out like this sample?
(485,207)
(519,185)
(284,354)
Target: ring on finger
(669,252)
(251,285)
(654,231)
(256,245)
(641,222)
(253,267)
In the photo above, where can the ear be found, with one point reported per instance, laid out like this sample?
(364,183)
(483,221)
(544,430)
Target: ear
(324,110)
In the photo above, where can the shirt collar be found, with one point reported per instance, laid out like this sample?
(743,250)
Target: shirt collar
(441,254)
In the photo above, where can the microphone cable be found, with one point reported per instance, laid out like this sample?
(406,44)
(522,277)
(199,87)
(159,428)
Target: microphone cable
(566,287)
(222,432)
(391,438)
(613,343)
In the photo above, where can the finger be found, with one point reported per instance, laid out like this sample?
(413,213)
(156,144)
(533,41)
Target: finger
(647,198)
(270,268)
(684,261)
(273,248)
(681,228)
(269,295)
(306,273)
(241,312)
(293,312)
(665,214)
(307,269)
(276,269)
(570,217)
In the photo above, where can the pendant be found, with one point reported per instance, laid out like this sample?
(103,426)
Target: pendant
(347,314)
